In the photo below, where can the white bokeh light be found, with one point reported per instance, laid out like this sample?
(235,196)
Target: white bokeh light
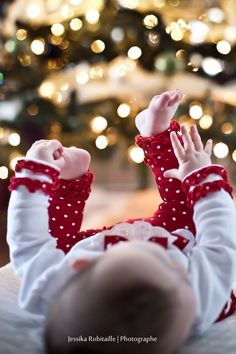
(221,150)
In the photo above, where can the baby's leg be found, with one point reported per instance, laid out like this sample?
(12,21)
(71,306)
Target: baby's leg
(173,213)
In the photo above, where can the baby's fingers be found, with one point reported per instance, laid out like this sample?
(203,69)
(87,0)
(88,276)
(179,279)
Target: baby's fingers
(187,139)
(177,147)
(197,142)
(208,147)
(54,145)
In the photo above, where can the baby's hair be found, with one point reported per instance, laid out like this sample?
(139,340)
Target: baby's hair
(135,310)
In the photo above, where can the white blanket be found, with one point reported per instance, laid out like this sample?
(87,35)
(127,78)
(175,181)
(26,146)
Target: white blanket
(20,333)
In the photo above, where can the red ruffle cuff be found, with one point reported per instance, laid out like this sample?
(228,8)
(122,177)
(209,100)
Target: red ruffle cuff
(204,189)
(196,177)
(37,167)
(162,139)
(31,184)
(74,189)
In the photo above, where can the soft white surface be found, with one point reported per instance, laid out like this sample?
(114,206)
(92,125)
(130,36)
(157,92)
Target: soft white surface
(21,334)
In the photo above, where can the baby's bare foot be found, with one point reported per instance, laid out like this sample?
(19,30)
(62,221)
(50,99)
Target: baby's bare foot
(165,100)
(76,163)
(156,118)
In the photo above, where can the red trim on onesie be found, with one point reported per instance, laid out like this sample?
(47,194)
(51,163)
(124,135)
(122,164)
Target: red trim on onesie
(37,167)
(229,308)
(152,142)
(31,184)
(78,189)
(196,177)
(204,189)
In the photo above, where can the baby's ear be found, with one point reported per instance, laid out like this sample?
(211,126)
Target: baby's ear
(80,263)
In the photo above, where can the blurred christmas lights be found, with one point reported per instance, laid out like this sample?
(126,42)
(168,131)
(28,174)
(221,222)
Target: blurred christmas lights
(134,53)
(123,110)
(38,46)
(221,150)
(14,139)
(98,46)
(21,34)
(76,24)
(57,29)
(92,16)
(3,172)
(195,111)
(223,47)
(98,124)
(136,154)
(206,121)
(150,21)
(101,142)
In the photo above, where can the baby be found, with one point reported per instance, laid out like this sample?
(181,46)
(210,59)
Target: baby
(107,295)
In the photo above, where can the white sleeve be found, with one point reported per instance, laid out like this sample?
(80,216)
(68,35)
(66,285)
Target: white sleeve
(212,262)
(32,250)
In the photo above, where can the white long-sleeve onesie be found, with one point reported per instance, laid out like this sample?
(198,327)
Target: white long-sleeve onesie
(44,269)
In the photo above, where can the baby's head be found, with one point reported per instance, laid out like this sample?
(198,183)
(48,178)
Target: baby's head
(133,290)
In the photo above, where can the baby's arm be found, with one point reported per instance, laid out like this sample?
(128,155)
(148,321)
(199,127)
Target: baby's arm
(212,262)
(155,127)
(32,250)
(68,197)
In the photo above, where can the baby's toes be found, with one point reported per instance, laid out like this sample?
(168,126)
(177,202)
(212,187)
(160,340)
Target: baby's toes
(175,98)
(160,102)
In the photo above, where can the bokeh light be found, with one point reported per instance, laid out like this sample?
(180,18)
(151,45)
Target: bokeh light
(227,128)
(14,139)
(98,46)
(123,110)
(136,154)
(38,46)
(150,21)
(21,34)
(206,121)
(76,24)
(92,16)
(3,172)
(221,150)
(195,111)
(98,124)
(223,47)
(57,29)
(212,66)
(101,142)
(134,53)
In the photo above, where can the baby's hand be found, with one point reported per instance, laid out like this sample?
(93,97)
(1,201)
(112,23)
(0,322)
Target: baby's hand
(47,150)
(76,163)
(192,155)
(156,118)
